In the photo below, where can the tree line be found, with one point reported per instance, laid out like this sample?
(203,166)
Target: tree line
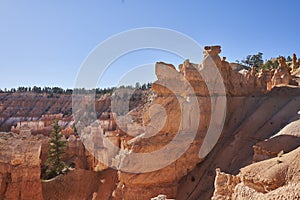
(59,90)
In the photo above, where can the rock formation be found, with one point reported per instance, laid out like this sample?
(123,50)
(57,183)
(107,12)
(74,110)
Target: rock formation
(275,178)
(225,185)
(164,180)
(32,125)
(282,74)
(48,119)
(178,113)
(19,167)
(80,184)
(284,141)
(34,109)
(173,89)
(295,63)
(75,153)
(28,106)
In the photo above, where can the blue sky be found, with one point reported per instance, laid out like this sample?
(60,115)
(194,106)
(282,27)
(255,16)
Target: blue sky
(44,43)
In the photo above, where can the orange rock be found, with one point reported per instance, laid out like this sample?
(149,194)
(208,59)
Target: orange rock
(20,167)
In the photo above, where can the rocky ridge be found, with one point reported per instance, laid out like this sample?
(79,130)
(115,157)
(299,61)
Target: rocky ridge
(257,106)
(251,89)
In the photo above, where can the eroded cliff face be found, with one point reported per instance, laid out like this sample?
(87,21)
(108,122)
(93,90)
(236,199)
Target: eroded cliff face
(250,120)
(257,106)
(172,94)
(275,175)
(20,167)
(276,178)
(252,111)
(282,142)
(18,107)
(81,184)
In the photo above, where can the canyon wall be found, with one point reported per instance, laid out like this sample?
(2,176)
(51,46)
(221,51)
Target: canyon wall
(175,88)
(183,105)
(20,167)
(16,107)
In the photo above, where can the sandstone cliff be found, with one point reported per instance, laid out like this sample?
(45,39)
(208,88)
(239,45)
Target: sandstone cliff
(284,141)
(256,109)
(20,167)
(179,113)
(276,178)
(38,111)
(80,184)
(258,118)
(16,107)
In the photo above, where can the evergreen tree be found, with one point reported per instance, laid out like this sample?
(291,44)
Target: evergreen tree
(289,59)
(247,61)
(270,65)
(255,60)
(56,149)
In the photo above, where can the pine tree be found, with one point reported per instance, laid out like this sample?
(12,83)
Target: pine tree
(255,60)
(289,59)
(56,149)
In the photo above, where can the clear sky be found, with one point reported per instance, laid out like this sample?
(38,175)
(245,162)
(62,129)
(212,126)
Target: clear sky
(44,42)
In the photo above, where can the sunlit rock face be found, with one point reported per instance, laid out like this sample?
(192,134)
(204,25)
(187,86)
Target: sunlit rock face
(20,167)
(183,101)
(174,90)
(275,178)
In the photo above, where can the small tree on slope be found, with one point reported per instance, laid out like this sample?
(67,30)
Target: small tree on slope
(56,149)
